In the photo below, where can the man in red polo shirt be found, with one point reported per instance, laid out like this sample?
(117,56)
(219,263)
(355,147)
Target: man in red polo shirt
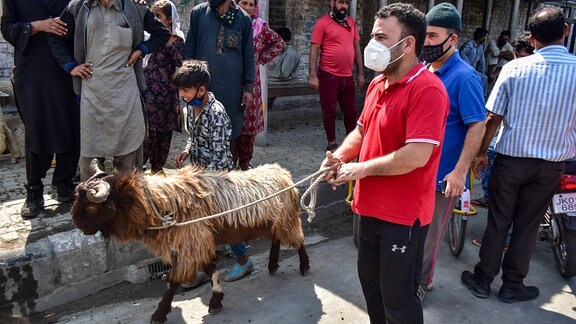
(335,36)
(398,142)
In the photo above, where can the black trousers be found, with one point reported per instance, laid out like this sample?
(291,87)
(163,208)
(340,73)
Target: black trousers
(37,164)
(389,265)
(520,191)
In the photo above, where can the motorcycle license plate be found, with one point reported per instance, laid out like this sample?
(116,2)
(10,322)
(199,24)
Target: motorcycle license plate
(564,203)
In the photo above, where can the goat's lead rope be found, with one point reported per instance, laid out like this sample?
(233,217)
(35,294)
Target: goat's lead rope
(168,221)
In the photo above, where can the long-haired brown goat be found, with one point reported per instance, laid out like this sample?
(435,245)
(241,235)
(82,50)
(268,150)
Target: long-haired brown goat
(124,206)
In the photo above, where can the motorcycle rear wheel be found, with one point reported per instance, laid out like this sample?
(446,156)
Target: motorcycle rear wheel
(563,243)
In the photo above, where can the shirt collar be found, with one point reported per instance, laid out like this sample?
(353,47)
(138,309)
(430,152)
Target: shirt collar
(448,64)
(411,75)
(553,48)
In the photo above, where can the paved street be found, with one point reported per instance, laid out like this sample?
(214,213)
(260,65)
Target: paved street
(332,294)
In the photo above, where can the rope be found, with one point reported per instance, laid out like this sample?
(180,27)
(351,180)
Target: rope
(315,178)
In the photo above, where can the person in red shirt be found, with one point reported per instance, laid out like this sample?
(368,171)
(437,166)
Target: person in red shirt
(398,143)
(335,36)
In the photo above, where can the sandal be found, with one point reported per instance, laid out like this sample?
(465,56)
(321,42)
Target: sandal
(481,202)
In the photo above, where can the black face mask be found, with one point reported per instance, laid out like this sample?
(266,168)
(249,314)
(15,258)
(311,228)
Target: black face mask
(431,53)
(216,3)
(339,14)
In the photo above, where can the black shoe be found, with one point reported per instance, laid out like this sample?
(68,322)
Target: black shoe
(478,289)
(76,178)
(65,193)
(523,293)
(34,203)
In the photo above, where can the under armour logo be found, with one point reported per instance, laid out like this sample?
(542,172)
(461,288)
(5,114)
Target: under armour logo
(396,248)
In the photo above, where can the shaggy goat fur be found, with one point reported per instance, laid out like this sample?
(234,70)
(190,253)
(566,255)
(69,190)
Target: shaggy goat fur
(137,202)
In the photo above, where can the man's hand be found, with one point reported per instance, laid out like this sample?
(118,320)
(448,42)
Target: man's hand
(455,184)
(329,162)
(134,57)
(314,82)
(180,158)
(360,82)
(83,71)
(51,26)
(481,161)
(246,99)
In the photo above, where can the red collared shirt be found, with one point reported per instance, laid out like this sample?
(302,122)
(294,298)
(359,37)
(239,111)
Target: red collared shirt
(411,110)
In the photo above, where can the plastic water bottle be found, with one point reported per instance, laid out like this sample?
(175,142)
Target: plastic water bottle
(465,199)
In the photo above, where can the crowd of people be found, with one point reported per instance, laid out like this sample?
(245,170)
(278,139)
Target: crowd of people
(424,125)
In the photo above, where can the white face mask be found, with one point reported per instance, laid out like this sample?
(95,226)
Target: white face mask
(377,55)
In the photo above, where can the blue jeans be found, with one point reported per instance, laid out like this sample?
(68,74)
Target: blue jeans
(486,173)
(239,249)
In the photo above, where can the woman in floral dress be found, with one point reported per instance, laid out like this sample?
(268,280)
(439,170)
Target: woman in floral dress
(162,102)
(267,45)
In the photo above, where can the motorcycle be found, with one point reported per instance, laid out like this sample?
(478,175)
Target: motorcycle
(558,227)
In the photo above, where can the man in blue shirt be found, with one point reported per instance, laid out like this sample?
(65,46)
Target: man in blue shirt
(472,52)
(464,126)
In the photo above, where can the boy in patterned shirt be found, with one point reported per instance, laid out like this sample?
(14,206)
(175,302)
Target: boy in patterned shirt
(210,130)
(208,145)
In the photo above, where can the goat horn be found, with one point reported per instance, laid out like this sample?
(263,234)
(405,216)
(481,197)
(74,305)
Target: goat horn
(98,173)
(98,191)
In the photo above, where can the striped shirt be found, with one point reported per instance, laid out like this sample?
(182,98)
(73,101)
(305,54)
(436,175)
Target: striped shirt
(536,96)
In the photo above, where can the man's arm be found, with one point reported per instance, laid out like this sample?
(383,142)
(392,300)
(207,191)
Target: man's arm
(493,48)
(359,66)
(404,160)
(456,179)
(314,52)
(492,123)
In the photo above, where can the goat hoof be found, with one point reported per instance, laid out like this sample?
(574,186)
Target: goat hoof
(273,270)
(153,321)
(304,272)
(214,310)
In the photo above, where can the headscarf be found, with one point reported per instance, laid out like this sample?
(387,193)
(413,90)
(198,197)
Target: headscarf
(257,22)
(176,31)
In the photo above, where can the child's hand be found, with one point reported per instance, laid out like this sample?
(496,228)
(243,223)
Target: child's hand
(134,57)
(180,158)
